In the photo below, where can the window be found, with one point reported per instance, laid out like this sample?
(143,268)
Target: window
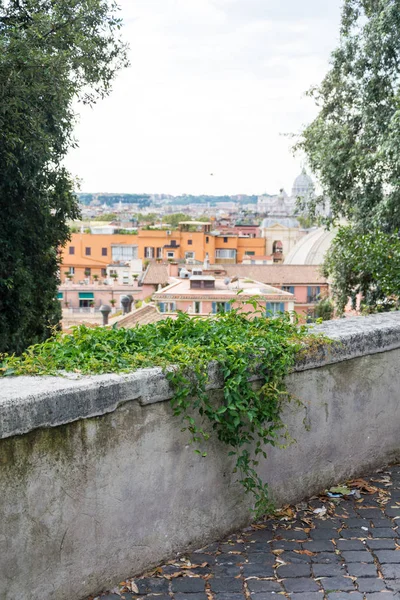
(149,252)
(313,293)
(220,307)
(197,308)
(207,239)
(88,272)
(167,307)
(225,254)
(173,243)
(209,285)
(72,270)
(104,251)
(124,253)
(104,272)
(195,284)
(170,254)
(190,242)
(225,240)
(189,254)
(88,251)
(72,249)
(159,252)
(288,288)
(274,308)
(249,253)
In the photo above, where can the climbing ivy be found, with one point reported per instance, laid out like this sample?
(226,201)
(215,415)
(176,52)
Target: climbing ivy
(252,355)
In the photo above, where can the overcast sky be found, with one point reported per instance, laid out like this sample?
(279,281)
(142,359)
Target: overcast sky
(213,87)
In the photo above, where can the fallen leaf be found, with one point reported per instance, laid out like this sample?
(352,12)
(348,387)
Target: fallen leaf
(306,552)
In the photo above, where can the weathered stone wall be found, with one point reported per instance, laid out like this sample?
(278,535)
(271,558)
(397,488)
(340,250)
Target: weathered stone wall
(98,481)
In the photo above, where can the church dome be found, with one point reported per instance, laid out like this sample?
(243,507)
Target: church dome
(303,184)
(311,249)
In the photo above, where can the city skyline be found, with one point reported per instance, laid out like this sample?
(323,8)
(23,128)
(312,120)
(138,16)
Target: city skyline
(214,90)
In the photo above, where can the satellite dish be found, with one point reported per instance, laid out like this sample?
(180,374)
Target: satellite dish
(227,281)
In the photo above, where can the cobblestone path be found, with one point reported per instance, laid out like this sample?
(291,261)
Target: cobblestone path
(343,548)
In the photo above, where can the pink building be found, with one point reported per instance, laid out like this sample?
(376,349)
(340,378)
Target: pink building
(203,294)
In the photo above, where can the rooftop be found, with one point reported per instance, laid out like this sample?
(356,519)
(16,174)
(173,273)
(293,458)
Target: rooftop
(277,274)
(243,288)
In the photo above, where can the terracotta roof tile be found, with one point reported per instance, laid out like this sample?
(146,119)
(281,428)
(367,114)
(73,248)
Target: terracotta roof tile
(277,275)
(155,274)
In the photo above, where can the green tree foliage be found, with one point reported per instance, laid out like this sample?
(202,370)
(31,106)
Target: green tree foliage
(367,264)
(353,144)
(51,53)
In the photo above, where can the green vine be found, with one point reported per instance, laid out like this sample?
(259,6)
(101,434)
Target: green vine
(251,355)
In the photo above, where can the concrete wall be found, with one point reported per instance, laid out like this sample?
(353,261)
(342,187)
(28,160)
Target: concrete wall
(98,481)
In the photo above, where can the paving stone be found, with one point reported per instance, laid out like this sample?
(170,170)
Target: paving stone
(328,524)
(266,558)
(369,584)
(258,570)
(382,596)
(294,558)
(324,534)
(326,558)
(229,559)
(290,534)
(386,544)
(226,570)
(350,545)
(320,546)
(302,584)
(342,584)
(257,547)
(285,545)
(370,513)
(391,571)
(181,596)
(306,596)
(382,522)
(259,585)
(392,511)
(228,596)
(153,584)
(264,596)
(188,585)
(384,532)
(362,570)
(344,596)
(388,556)
(198,558)
(228,548)
(357,556)
(261,535)
(226,584)
(328,570)
(349,534)
(303,570)
(356,523)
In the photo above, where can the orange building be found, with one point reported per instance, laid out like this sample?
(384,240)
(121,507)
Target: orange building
(88,255)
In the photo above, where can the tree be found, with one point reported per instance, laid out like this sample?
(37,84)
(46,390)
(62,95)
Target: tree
(52,53)
(353,144)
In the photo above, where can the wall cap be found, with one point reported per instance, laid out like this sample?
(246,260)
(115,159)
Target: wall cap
(28,403)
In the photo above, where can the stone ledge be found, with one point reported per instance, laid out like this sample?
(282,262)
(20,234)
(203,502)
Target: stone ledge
(28,403)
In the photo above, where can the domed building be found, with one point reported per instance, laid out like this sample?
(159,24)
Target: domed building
(311,249)
(303,186)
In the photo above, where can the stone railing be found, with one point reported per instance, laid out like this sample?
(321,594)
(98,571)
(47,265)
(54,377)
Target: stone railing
(98,481)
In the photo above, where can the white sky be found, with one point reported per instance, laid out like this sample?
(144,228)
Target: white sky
(213,87)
